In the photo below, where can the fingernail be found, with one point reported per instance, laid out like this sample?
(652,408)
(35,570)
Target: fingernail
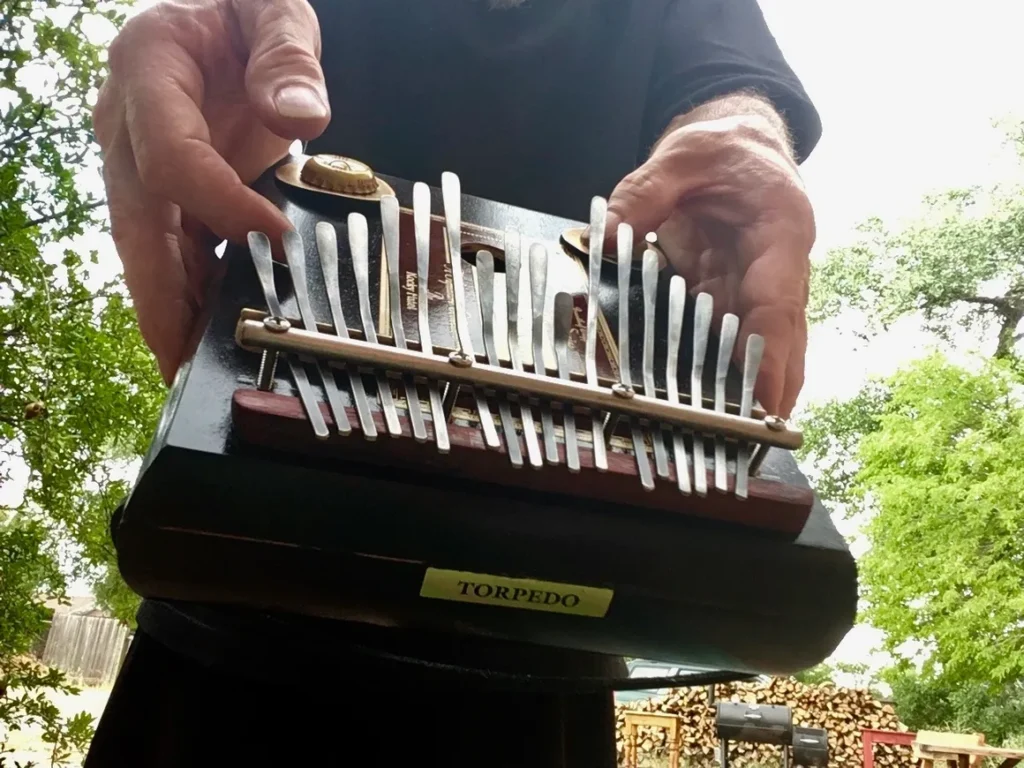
(300,102)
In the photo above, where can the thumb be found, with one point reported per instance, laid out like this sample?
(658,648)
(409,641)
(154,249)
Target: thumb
(283,77)
(644,199)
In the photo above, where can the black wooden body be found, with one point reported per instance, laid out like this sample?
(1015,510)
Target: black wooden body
(213,520)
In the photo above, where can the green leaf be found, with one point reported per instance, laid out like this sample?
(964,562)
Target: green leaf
(79,392)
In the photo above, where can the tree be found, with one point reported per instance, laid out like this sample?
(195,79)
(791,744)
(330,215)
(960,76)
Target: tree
(927,701)
(79,392)
(26,568)
(937,465)
(929,457)
(961,266)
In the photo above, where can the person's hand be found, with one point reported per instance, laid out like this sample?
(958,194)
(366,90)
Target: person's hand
(202,98)
(732,215)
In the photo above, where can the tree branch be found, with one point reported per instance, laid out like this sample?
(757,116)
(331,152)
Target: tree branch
(11,140)
(59,214)
(994,301)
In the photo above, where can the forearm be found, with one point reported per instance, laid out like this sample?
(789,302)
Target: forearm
(742,104)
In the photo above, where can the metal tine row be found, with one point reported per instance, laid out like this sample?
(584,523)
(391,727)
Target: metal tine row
(327,247)
(262,256)
(548,331)
(294,251)
(703,313)
(295,254)
(545,335)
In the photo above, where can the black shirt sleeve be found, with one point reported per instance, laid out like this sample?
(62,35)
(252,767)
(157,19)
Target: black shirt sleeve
(710,48)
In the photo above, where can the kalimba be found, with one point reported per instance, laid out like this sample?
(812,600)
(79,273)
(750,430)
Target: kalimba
(428,412)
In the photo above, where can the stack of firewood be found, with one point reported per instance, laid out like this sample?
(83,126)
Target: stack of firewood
(843,712)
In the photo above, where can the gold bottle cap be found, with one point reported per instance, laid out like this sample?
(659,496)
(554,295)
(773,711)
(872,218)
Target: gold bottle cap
(339,174)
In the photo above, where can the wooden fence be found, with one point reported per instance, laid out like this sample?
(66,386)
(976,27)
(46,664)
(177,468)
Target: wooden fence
(87,647)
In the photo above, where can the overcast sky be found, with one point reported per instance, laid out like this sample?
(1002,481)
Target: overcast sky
(907,90)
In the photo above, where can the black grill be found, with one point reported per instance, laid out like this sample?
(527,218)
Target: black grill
(754,723)
(810,747)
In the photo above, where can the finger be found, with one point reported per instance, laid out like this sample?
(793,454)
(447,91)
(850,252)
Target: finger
(197,246)
(250,152)
(683,243)
(777,329)
(170,141)
(644,199)
(795,369)
(682,164)
(772,302)
(283,77)
(107,115)
(145,231)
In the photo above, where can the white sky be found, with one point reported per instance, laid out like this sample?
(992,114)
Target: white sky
(907,90)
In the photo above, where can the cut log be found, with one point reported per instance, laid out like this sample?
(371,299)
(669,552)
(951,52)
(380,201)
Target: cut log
(843,712)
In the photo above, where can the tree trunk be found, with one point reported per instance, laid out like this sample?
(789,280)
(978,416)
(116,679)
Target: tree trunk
(1011,314)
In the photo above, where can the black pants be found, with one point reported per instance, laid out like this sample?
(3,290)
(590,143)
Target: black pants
(167,711)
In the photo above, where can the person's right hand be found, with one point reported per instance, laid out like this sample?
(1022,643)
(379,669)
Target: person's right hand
(202,98)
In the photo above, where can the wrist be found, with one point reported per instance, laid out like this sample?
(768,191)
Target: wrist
(749,112)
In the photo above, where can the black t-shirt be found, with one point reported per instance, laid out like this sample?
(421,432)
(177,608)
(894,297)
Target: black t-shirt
(542,106)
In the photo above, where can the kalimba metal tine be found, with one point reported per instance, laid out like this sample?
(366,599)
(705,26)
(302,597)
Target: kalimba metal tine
(563,328)
(751,366)
(701,329)
(451,194)
(598,218)
(485,277)
(625,264)
(327,247)
(676,307)
(649,274)
(295,254)
(513,281)
(421,225)
(358,240)
(726,343)
(263,261)
(389,223)
(538,297)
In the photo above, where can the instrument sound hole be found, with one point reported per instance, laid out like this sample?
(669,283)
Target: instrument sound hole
(469,251)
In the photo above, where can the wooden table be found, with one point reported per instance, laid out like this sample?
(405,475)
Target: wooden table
(670,723)
(963,755)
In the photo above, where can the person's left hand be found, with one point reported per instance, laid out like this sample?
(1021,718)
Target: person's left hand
(732,215)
